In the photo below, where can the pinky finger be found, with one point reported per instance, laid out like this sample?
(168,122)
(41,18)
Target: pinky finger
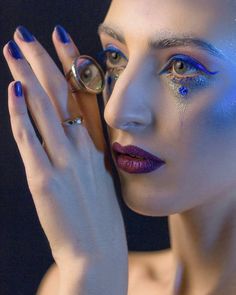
(32,153)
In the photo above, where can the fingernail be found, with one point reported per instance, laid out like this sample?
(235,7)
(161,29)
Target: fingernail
(18,89)
(62,34)
(14,50)
(25,34)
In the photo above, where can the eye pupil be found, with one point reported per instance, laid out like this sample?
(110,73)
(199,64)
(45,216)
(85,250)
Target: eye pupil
(180,67)
(87,73)
(114,55)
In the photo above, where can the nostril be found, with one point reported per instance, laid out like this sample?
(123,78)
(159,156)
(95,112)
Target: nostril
(130,125)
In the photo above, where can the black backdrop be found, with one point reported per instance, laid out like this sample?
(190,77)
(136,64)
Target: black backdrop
(24,251)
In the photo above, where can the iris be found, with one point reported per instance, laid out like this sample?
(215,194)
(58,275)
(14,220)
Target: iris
(181,70)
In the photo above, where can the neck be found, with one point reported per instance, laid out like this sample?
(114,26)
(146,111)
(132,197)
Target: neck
(203,241)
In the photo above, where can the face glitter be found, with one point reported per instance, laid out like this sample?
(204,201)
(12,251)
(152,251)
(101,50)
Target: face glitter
(185,75)
(186,87)
(111,77)
(108,87)
(183,91)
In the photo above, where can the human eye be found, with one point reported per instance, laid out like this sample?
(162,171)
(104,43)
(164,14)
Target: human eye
(183,68)
(112,58)
(186,75)
(114,62)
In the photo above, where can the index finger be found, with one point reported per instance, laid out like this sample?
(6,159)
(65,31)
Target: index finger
(87,102)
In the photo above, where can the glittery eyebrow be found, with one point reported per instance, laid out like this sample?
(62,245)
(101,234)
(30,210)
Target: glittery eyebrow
(163,43)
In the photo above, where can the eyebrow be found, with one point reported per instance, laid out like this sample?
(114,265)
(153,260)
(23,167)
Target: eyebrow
(164,42)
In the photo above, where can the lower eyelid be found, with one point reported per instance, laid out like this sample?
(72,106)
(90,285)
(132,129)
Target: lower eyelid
(190,77)
(183,80)
(188,60)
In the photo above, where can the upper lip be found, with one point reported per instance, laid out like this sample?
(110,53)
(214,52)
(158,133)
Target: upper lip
(135,151)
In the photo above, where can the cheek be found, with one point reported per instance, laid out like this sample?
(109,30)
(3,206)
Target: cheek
(213,140)
(219,117)
(222,118)
(212,117)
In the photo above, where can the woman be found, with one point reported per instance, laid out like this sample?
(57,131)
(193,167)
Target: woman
(170,97)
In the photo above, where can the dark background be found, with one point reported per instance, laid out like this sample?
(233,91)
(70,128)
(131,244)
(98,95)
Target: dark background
(24,251)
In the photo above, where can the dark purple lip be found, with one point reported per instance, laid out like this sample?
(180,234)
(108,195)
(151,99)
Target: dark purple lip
(133,159)
(134,151)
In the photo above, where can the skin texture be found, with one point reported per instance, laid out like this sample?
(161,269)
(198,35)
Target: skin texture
(145,276)
(195,135)
(180,136)
(76,212)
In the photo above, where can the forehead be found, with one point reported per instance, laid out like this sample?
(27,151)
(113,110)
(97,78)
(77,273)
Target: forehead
(141,19)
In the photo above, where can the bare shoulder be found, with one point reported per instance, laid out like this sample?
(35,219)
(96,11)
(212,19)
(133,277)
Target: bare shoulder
(147,255)
(49,283)
(152,271)
(159,261)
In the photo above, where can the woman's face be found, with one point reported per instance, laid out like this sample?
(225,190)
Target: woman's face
(175,99)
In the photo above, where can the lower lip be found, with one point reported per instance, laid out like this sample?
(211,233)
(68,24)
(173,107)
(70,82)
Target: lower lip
(135,165)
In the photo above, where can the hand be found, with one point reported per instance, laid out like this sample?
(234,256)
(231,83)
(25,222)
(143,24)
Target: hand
(72,191)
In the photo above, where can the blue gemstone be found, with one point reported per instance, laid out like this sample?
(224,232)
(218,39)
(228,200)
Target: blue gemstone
(183,91)
(109,85)
(109,80)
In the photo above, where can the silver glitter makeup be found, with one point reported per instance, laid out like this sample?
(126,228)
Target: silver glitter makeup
(189,85)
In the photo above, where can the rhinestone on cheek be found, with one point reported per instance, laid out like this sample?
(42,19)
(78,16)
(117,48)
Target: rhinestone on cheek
(183,91)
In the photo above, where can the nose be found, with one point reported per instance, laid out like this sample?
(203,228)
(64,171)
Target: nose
(129,107)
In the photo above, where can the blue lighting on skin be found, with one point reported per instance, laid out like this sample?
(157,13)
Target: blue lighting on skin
(224,112)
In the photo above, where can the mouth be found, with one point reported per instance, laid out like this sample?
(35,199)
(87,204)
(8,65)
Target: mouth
(133,159)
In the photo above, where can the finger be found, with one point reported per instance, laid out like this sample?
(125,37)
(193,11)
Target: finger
(39,105)
(45,69)
(87,102)
(65,47)
(32,153)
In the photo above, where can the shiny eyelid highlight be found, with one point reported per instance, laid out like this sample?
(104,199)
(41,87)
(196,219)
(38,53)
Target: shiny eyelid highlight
(189,60)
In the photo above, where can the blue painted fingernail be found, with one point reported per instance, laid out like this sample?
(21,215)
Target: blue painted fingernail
(18,89)
(25,34)
(14,50)
(62,34)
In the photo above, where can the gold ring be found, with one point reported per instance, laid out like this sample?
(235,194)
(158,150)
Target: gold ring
(86,75)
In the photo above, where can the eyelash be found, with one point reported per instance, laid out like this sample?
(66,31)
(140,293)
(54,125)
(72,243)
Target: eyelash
(167,69)
(103,56)
(190,61)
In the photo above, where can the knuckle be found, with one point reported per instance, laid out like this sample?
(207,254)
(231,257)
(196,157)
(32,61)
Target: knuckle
(43,104)
(67,161)
(43,184)
(18,111)
(25,136)
(59,89)
(23,70)
(38,51)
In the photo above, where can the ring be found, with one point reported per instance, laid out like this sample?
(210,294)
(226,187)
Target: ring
(71,122)
(86,75)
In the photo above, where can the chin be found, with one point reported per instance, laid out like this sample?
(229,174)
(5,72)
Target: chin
(154,204)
